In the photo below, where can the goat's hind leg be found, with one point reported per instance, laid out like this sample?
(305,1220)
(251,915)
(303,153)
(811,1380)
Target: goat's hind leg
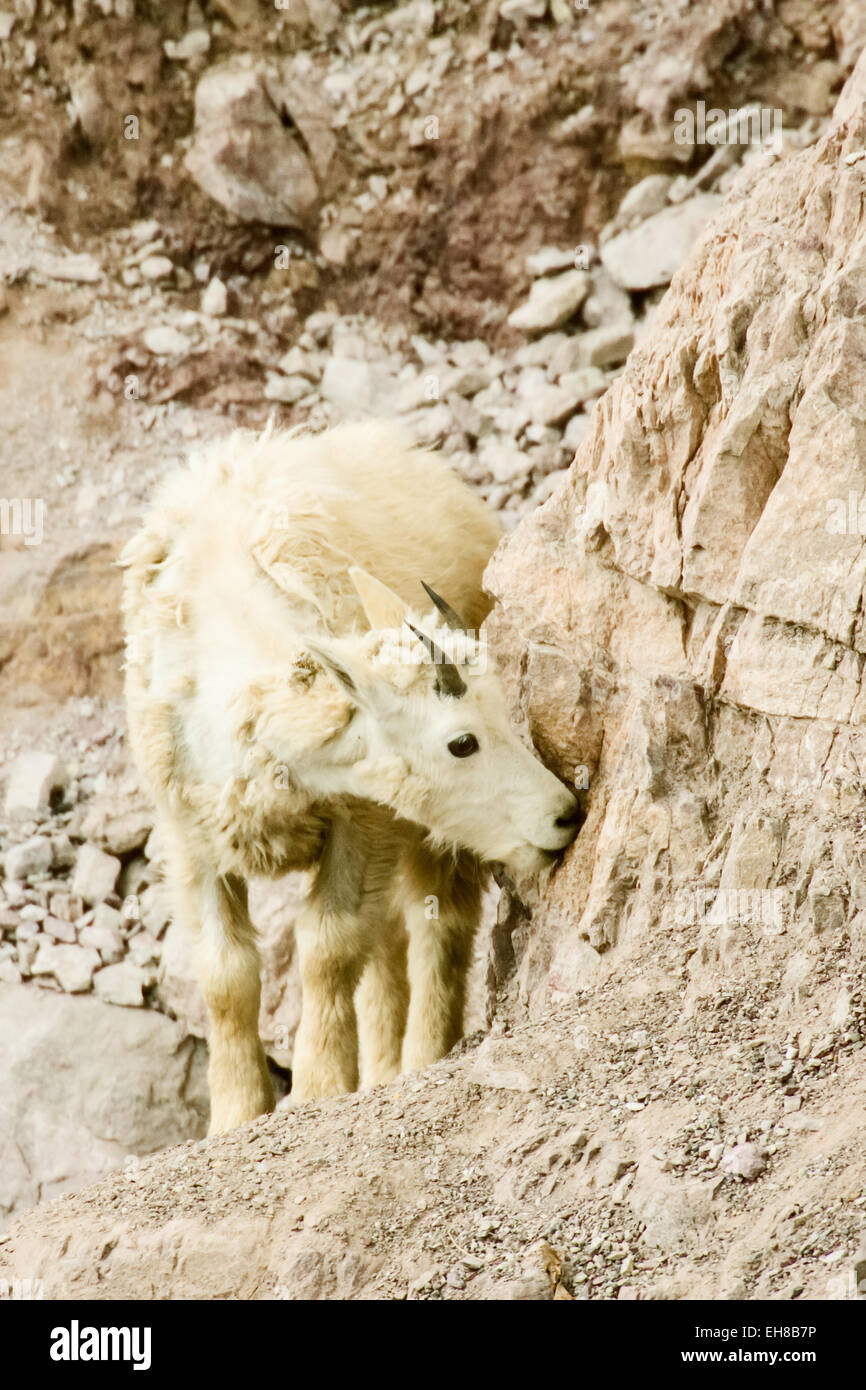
(214,908)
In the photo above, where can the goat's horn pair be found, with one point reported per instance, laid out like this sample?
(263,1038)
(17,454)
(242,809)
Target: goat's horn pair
(452,618)
(448,679)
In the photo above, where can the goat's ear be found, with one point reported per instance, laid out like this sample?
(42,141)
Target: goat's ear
(334,662)
(384,608)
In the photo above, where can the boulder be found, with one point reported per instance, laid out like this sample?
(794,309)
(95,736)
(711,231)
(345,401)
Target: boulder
(85,1086)
(649,254)
(242,154)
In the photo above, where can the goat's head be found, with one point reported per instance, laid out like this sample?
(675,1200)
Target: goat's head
(431,738)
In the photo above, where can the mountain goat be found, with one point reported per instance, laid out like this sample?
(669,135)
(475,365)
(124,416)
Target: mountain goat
(291,707)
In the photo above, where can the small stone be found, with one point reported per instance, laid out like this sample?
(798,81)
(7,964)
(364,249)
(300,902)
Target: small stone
(66,905)
(643,200)
(606,304)
(554,404)
(154,909)
(121,984)
(143,232)
(156,268)
(552,301)
(77,270)
(31,858)
(549,260)
(296,362)
(355,387)
(744,1161)
(192,47)
(107,918)
(144,949)
(651,253)
(288,389)
(215,298)
(108,943)
(58,929)
(36,780)
(95,874)
(523,9)
(165,341)
(115,825)
(71,966)
(600,347)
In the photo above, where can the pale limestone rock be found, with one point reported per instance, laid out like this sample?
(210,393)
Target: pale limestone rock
(122,984)
(287,389)
(34,779)
(215,298)
(165,341)
(107,942)
(644,199)
(242,155)
(357,388)
(156,268)
(116,823)
(651,253)
(71,966)
(59,929)
(27,860)
(95,874)
(600,347)
(66,1117)
(549,260)
(743,1161)
(681,624)
(552,301)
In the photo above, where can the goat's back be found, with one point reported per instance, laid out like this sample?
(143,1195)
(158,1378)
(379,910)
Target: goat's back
(306,508)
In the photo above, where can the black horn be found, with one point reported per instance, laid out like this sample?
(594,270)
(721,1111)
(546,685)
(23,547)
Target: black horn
(452,618)
(448,679)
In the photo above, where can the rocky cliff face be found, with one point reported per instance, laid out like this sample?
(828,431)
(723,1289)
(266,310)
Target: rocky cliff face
(683,618)
(670,1100)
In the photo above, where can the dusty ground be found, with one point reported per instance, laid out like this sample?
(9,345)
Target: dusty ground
(603,1127)
(590,1131)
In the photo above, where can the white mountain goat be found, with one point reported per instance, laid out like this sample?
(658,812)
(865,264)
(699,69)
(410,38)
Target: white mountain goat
(281,722)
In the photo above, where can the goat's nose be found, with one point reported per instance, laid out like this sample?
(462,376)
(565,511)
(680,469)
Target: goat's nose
(573,817)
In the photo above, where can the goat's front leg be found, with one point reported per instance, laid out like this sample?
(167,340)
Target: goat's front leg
(442,919)
(214,909)
(334,934)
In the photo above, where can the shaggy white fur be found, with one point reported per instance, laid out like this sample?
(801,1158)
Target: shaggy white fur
(284,716)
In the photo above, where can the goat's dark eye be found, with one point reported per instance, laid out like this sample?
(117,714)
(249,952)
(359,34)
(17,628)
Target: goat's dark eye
(463,745)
